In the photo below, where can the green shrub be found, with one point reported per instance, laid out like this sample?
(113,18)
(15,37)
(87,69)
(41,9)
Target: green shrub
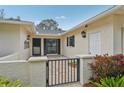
(5,82)
(110,82)
(107,66)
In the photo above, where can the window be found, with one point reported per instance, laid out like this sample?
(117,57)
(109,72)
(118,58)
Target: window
(71,41)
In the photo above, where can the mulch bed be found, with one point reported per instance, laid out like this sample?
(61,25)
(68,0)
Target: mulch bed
(89,85)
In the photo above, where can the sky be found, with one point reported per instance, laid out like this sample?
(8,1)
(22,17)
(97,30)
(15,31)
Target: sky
(67,16)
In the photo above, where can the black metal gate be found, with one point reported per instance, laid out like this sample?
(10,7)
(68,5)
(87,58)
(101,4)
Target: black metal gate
(61,71)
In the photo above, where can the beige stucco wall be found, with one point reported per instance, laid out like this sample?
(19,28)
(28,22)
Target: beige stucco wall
(38,73)
(104,26)
(85,70)
(111,37)
(81,44)
(9,39)
(117,26)
(24,53)
(16,71)
(12,39)
(32,72)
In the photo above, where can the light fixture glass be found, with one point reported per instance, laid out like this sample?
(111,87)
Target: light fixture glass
(83,33)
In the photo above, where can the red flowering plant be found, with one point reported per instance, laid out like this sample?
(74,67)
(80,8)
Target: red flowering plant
(119,63)
(118,57)
(106,65)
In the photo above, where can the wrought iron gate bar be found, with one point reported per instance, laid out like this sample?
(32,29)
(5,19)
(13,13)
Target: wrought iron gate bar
(61,71)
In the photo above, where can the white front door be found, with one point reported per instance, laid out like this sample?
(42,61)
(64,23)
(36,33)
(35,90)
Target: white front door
(95,43)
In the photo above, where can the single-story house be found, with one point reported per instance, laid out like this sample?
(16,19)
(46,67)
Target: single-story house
(101,34)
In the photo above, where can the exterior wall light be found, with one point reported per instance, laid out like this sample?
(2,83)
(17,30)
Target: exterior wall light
(83,33)
(28,37)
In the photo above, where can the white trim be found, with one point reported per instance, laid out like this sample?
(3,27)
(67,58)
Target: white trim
(122,40)
(13,56)
(55,35)
(113,37)
(85,56)
(38,59)
(15,22)
(14,61)
(20,23)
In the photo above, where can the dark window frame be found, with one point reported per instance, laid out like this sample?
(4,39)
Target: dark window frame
(71,41)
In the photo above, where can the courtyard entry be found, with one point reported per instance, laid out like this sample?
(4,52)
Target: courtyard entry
(36,47)
(51,46)
(62,71)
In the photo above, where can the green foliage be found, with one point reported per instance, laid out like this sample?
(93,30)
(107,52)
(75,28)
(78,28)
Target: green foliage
(47,24)
(5,82)
(110,82)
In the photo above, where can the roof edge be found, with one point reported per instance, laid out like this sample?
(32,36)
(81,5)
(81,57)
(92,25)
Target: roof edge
(55,35)
(94,18)
(20,22)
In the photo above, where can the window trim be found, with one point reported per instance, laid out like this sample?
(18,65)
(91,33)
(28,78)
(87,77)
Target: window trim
(71,41)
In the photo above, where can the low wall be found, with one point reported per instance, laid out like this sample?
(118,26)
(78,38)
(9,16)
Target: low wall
(31,72)
(24,54)
(9,57)
(15,70)
(85,71)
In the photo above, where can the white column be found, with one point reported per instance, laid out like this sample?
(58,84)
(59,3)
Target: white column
(85,72)
(42,46)
(37,66)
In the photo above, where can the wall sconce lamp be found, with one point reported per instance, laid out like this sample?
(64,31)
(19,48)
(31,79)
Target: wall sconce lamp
(83,33)
(28,37)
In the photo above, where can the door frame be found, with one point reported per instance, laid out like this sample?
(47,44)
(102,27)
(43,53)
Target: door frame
(58,48)
(89,33)
(33,46)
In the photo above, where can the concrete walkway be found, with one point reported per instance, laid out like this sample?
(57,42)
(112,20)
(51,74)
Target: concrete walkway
(50,57)
(76,84)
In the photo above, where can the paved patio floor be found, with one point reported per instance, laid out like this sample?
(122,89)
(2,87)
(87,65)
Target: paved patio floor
(76,84)
(56,57)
